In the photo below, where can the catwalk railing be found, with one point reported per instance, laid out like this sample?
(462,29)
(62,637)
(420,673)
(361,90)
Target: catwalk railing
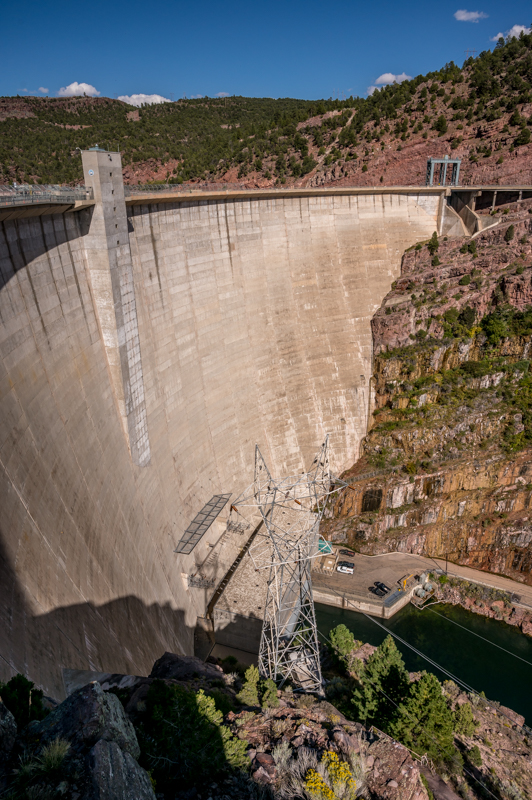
(30,195)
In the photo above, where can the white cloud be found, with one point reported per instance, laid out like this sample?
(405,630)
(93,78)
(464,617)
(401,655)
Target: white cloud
(196,96)
(222,94)
(469,16)
(77,89)
(386,79)
(43,89)
(139,99)
(515,30)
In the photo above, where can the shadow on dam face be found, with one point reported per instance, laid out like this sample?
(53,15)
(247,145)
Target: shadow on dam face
(124,635)
(251,322)
(22,249)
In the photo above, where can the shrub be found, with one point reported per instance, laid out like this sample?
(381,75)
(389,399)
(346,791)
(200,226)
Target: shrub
(441,125)
(269,694)
(332,780)
(23,700)
(436,261)
(465,280)
(52,756)
(433,244)
(464,722)
(249,694)
(474,756)
(495,328)
(510,233)
(467,316)
(183,740)
(365,168)
(523,137)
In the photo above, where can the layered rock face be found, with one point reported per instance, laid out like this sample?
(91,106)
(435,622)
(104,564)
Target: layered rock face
(446,465)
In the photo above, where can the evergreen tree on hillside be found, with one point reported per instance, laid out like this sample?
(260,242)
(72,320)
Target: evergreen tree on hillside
(383,685)
(342,640)
(423,721)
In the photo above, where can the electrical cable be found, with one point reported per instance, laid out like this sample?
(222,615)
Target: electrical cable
(458,681)
(435,664)
(481,637)
(379,689)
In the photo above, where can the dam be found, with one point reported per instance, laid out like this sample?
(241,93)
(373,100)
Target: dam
(148,341)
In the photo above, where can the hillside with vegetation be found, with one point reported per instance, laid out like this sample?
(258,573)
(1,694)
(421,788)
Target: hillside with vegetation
(195,730)
(445,467)
(481,113)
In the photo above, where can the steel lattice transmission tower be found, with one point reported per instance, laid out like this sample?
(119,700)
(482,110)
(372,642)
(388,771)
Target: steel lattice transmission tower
(291,510)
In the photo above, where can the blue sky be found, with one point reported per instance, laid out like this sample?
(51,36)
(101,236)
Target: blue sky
(256,48)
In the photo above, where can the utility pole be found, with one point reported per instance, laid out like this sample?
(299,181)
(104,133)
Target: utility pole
(171,96)
(470,52)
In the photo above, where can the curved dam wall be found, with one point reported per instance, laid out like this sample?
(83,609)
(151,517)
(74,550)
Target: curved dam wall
(247,321)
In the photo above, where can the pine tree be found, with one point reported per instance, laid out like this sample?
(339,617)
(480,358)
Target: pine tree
(383,684)
(342,640)
(424,723)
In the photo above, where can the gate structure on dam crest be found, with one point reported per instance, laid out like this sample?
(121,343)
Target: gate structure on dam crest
(291,509)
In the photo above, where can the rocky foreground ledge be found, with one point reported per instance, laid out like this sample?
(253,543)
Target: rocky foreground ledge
(194,730)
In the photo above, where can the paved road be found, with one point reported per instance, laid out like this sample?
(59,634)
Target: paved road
(488,579)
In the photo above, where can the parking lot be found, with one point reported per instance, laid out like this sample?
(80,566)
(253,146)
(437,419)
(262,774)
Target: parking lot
(388,568)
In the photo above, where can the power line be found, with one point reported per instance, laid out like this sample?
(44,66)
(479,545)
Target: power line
(481,637)
(442,669)
(417,721)
(435,664)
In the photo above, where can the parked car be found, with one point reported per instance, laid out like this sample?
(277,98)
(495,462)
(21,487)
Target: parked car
(382,586)
(347,553)
(377,591)
(345,566)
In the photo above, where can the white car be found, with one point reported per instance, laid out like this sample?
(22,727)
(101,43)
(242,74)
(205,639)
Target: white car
(345,566)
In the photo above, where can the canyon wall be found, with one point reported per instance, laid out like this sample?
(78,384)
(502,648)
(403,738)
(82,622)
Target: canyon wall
(251,320)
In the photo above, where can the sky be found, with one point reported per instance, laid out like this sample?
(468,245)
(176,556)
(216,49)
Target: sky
(258,48)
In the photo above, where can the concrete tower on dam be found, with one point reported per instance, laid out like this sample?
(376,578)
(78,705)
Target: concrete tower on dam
(146,344)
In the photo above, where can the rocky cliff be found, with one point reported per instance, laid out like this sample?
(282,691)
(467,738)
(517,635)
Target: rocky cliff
(446,465)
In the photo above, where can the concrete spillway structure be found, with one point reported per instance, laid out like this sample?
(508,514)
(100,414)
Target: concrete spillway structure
(145,347)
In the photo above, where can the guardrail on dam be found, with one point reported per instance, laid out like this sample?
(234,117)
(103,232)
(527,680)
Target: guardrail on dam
(146,345)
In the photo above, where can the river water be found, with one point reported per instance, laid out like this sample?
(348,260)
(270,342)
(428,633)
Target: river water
(476,662)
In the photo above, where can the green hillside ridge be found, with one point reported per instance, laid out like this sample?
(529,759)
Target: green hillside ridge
(265,138)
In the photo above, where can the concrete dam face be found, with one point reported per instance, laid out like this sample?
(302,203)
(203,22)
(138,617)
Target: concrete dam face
(144,349)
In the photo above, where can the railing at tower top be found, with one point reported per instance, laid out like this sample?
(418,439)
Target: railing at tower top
(27,194)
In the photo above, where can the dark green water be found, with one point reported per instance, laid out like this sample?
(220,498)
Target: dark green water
(478,663)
